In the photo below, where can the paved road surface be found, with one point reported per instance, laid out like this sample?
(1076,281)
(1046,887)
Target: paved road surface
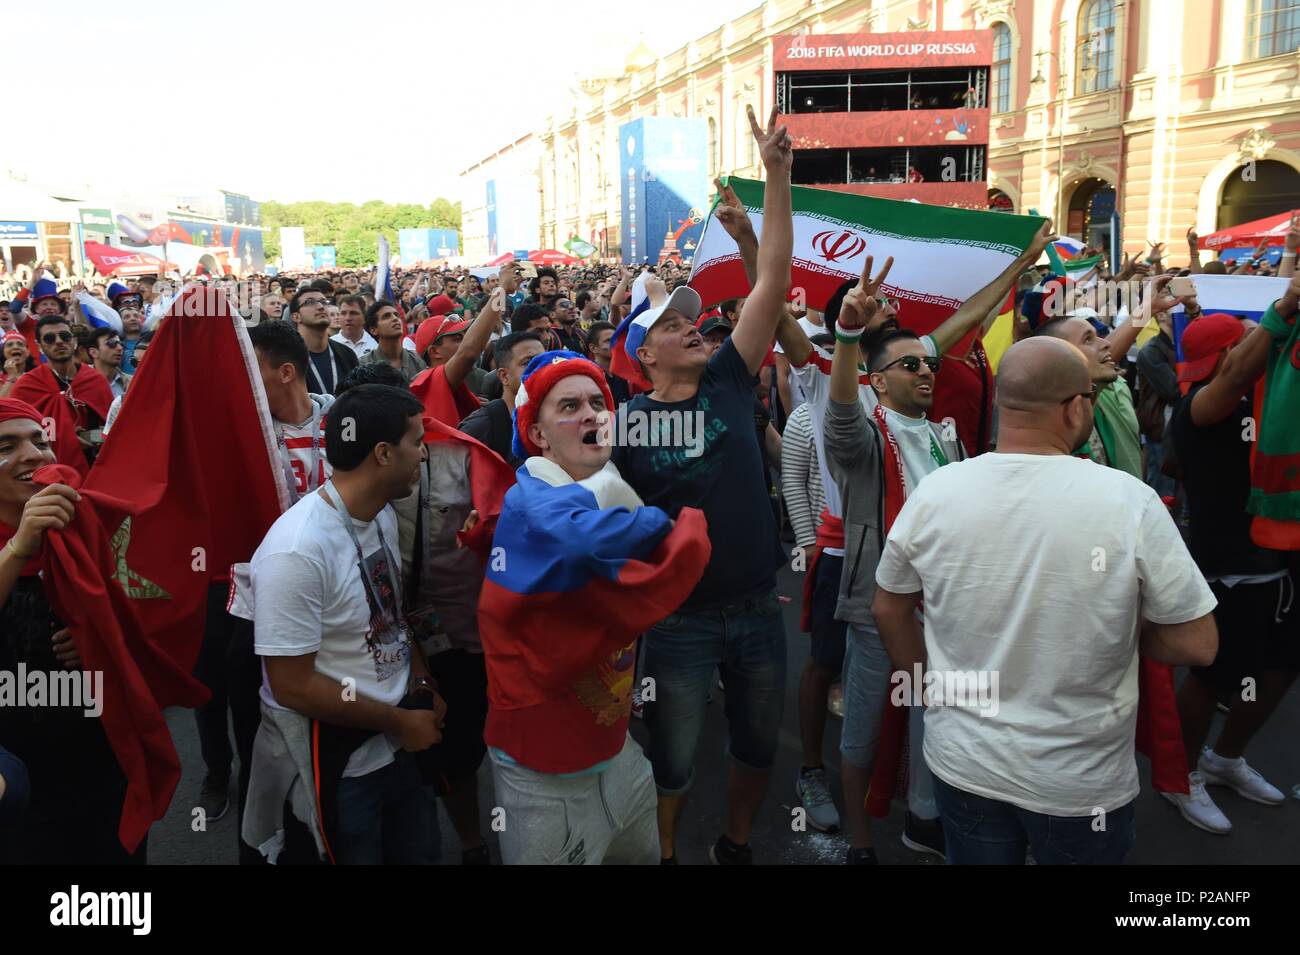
(1262,834)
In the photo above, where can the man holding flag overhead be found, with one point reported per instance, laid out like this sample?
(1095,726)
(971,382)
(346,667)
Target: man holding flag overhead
(574,785)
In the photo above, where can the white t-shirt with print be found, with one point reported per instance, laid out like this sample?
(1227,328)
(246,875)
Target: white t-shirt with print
(1038,569)
(308,597)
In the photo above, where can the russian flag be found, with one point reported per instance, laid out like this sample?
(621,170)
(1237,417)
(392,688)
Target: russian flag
(576,573)
(1245,296)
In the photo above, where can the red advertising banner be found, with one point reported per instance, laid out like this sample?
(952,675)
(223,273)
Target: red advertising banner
(113,261)
(883,51)
(904,127)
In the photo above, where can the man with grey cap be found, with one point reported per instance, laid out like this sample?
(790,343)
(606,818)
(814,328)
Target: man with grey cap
(732,620)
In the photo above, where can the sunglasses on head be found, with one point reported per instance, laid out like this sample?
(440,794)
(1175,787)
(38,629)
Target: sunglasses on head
(49,338)
(912,364)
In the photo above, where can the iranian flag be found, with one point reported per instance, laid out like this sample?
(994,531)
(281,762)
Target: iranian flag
(942,255)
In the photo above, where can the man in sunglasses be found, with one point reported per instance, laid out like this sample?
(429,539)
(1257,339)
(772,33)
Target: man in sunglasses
(104,345)
(877,458)
(85,394)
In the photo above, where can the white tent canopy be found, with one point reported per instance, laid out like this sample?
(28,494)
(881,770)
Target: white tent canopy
(21,203)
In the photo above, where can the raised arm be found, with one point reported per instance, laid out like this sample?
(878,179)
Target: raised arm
(1193,253)
(766,303)
(734,219)
(975,308)
(477,335)
(1286,267)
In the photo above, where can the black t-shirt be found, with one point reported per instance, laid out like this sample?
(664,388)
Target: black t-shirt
(1215,462)
(327,372)
(724,481)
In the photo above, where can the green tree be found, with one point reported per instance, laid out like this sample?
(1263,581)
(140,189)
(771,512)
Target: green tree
(354,230)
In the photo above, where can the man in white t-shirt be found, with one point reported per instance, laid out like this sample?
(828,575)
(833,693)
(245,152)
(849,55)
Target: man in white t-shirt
(326,593)
(1034,614)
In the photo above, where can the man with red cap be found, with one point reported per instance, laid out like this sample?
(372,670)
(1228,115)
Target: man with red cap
(41,296)
(1213,432)
(77,786)
(575,787)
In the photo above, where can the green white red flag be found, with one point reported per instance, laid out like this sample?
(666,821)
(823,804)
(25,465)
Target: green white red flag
(942,255)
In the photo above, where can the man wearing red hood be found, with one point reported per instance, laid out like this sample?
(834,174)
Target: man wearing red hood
(73,396)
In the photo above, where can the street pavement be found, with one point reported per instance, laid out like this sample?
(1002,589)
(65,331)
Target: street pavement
(1262,835)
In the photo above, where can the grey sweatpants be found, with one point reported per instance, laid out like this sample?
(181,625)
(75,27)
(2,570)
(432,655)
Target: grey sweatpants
(608,816)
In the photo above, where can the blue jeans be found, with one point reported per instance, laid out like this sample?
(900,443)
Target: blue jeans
(981,831)
(388,817)
(1163,484)
(745,641)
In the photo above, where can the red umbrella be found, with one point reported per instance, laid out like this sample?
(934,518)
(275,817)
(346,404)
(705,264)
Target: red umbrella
(501,259)
(110,260)
(1272,228)
(551,257)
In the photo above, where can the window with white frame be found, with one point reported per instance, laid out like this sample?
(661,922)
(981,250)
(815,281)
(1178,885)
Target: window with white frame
(1094,53)
(1001,73)
(1273,27)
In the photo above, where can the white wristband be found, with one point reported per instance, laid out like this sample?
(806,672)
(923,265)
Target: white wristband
(1288,255)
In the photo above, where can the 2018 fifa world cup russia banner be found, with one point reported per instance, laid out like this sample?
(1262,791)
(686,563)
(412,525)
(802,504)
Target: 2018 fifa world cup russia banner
(942,255)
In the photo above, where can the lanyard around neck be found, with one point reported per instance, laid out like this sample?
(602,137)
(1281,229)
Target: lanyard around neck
(290,480)
(394,578)
(334,372)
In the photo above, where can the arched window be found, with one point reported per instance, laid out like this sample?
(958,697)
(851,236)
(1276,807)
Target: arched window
(744,140)
(1001,73)
(1094,54)
(713,147)
(1274,27)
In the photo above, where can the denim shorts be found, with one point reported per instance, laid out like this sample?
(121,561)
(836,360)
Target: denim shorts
(746,642)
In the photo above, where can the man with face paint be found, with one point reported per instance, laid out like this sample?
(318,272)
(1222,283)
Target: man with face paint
(560,689)
(78,787)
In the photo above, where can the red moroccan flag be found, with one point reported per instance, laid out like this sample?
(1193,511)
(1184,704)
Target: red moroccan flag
(193,448)
(139,679)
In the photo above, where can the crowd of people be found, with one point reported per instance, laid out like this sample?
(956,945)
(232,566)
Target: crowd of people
(1065,532)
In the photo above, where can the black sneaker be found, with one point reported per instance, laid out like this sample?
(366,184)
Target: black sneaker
(479,855)
(923,835)
(726,852)
(214,797)
(864,856)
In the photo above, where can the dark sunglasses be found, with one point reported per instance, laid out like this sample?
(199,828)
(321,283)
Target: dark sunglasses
(912,364)
(49,338)
(1090,394)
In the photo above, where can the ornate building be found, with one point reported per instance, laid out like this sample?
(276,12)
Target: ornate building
(1175,112)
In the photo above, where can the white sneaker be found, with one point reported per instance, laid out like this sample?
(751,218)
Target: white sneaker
(1237,775)
(1199,809)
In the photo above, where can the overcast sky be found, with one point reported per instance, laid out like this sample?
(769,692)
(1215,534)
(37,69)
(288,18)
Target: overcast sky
(443,84)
